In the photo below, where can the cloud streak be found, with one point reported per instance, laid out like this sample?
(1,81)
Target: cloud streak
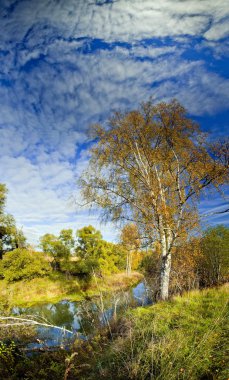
(67,64)
(120,20)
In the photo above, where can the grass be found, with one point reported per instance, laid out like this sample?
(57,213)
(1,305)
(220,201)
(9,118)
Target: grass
(57,287)
(185,338)
(114,283)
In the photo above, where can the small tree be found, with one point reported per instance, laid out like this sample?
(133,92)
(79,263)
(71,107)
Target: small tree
(150,166)
(54,248)
(3,192)
(111,258)
(89,242)
(66,237)
(130,240)
(10,236)
(214,261)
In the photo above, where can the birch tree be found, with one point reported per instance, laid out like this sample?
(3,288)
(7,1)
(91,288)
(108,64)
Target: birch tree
(150,166)
(130,240)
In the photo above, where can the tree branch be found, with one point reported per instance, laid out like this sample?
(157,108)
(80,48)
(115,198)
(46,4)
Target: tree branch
(27,321)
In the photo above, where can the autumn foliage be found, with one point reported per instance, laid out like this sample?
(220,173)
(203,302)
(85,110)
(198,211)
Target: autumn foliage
(150,166)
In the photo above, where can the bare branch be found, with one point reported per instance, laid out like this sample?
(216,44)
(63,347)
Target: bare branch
(27,321)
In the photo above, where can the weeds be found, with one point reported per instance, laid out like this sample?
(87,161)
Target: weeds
(183,339)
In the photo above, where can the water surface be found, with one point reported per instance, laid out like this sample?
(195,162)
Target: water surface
(82,318)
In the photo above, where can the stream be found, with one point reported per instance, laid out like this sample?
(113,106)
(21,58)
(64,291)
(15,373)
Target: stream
(82,317)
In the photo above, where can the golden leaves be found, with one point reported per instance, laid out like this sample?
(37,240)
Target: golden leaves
(150,163)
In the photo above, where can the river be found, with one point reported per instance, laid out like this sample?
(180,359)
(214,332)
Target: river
(82,318)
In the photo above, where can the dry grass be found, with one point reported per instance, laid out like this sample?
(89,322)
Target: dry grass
(57,287)
(185,338)
(117,281)
(37,290)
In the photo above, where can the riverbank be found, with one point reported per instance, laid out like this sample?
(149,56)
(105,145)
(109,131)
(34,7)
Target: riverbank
(57,287)
(184,338)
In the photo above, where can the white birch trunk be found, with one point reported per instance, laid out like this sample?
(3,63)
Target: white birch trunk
(128,263)
(165,266)
(165,275)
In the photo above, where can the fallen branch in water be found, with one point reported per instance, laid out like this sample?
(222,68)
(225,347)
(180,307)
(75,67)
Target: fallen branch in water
(26,321)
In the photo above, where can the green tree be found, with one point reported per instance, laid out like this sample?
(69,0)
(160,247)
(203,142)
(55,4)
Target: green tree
(89,242)
(130,239)
(111,258)
(214,261)
(88,249)
(11,237)
(47,243)
(97,254)
(3,192)
(150,166)
(55,248)
(66,237)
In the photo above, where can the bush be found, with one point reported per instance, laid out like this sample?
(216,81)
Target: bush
(23,264)
(86,267)
(82,267)
(7,358)
(14,364)
(111,258)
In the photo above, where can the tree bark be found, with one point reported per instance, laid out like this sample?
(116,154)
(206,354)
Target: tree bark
(165,264)
(164,276)
(128,263)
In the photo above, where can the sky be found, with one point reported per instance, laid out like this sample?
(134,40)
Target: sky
(65,64)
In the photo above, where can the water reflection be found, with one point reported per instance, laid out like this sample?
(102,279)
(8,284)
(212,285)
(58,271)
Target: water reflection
(82,318)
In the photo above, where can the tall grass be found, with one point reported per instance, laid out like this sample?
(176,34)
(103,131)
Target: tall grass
(185,338)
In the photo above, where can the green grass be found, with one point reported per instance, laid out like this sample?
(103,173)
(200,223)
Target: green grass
(57,287)
(185,338)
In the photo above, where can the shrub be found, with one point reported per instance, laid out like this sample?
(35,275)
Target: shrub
(14,364)
(86,267)
(23,264)
(7,358)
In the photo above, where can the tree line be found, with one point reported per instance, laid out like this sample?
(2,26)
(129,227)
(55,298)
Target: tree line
(147,171)
(76,254)
(199,261)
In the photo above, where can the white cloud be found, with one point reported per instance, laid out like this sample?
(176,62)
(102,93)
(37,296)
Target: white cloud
(152,52)
(32,188)
(52,90)
(122,20)
(109,231)
(217,31)
(100,82)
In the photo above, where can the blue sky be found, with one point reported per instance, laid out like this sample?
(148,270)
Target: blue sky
(65,64)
